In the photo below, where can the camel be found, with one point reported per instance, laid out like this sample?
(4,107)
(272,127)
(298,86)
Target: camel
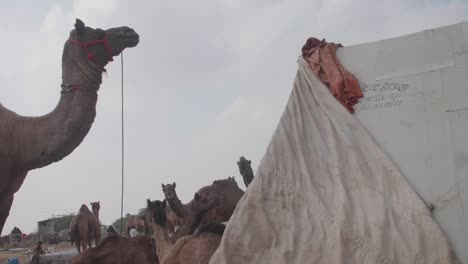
(194,249)
(172,219)
(116,249)
(85,226)
(29,143)
(226,191)
(229,192)
(245,170)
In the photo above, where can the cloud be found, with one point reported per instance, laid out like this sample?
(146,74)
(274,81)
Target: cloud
(93,12)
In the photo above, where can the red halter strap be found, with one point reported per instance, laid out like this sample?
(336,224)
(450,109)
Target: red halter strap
(89,54)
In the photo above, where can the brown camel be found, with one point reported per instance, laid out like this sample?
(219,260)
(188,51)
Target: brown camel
(29,143)
(85,227)
(116,249)
(245,170)
(229,194)
(172,219)
(226,191)
(194,249)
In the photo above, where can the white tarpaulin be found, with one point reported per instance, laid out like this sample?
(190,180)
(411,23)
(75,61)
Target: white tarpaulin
(325,192)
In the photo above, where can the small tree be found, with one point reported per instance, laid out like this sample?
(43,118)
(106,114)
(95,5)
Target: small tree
(119,224)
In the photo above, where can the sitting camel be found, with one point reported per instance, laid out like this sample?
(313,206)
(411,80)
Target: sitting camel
(86,226)
(226,191)
(116,249)
(194,249)
(172,219)
(245,170)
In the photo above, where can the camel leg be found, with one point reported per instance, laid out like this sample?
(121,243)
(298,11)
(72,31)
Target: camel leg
(78,245)
(6,200)
(98,236)
(84,235)
(84,243)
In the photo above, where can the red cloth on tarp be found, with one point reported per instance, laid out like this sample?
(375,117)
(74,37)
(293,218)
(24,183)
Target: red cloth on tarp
(321,57)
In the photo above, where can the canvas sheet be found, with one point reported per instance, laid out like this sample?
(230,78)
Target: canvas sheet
(325,192)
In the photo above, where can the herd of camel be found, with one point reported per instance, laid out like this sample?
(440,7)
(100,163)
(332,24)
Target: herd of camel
(181,233)
(28,143)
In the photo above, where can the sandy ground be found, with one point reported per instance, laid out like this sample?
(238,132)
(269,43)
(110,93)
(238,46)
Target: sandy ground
(22,254)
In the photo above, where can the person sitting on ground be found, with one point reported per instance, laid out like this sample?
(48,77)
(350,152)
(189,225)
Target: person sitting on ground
(37,252)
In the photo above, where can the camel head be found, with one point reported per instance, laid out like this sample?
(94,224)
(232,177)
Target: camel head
(204,203)
(95,207)
(157,210)
(98,45)
(169,190)
(244,165)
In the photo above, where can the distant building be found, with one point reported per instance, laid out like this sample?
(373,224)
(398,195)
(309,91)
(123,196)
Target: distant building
(47,227)
(55,226)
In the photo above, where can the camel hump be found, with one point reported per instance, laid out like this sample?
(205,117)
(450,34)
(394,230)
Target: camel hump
(84,208)
(215,228)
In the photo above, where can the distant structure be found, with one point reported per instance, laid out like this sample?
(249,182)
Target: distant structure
(112,231)
(14,237)
(55,226)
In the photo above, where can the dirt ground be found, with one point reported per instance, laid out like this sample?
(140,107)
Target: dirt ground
(22,254)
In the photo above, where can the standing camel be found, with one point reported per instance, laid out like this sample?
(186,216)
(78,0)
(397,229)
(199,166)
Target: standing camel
(172,219)
(85,227)
(194,249)
(29,143)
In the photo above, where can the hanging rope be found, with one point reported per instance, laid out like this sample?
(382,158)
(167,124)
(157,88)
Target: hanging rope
(123,149)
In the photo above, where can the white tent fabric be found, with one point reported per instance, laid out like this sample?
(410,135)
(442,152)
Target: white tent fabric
(415,106)
(326,193)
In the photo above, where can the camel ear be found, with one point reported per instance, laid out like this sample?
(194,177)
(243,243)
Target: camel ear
(79,26)
(197,196)
(162,185)
(249,161)
(173,184)
(148,202)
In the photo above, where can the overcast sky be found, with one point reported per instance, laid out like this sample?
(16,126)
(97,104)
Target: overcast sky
(207,84)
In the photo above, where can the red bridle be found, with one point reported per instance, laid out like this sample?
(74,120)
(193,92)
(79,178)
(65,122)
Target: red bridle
(66,88)
(89,54)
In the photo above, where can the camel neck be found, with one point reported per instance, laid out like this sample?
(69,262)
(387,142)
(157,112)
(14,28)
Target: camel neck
(248,176)
(192,219)
(176,206)
(163,244)
(51,137)
(96,214)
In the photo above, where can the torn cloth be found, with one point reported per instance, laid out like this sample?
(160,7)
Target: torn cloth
(321,57)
